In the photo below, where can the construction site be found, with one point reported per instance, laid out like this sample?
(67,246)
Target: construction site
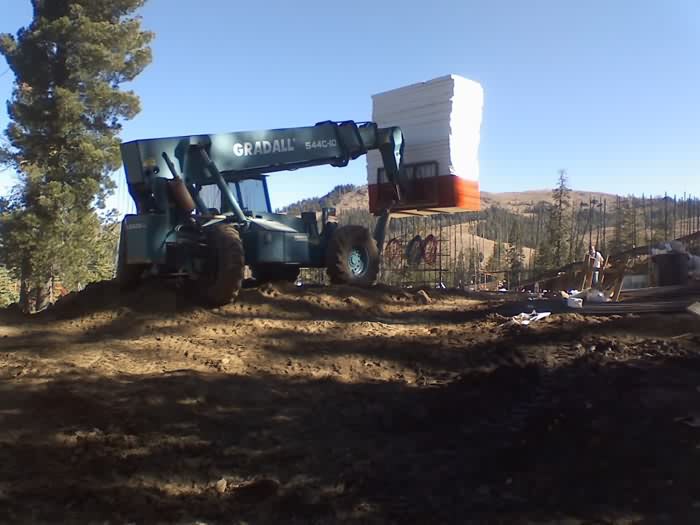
(438,395)
(337,404)
(412,354)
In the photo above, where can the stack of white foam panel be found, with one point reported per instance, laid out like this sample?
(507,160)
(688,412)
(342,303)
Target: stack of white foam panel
(441,123)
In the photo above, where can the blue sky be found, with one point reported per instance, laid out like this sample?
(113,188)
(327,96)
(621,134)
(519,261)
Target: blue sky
(609,90)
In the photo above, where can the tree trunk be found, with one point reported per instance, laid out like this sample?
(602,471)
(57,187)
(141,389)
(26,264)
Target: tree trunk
(42,296)
(52,284)
(24,287)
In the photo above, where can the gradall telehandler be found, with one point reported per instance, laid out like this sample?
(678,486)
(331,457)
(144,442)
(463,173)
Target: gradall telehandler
(177,233)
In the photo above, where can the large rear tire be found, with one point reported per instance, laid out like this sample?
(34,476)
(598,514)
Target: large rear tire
(128,275)
(352,256)
(221,281)
(270,273)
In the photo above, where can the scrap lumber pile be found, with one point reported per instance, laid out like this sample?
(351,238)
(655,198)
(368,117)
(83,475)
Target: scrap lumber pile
(673,272)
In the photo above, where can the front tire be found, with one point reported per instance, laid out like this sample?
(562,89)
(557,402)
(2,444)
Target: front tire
(352,256)
(222,278)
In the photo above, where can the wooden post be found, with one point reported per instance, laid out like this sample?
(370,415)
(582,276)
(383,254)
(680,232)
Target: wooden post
(585,272)
(588,274)
(605,224)
(620,278)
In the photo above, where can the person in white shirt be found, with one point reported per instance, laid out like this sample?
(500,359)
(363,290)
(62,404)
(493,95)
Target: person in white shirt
(597,265)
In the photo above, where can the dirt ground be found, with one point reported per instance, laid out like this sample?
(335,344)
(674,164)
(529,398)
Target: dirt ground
(339,405)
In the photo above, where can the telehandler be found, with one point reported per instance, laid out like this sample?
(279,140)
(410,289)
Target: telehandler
(203,209)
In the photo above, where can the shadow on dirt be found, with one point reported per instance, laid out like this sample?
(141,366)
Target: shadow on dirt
(163,297)
(592,440)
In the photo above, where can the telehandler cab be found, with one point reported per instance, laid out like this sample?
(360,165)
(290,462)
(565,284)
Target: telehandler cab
(203,210)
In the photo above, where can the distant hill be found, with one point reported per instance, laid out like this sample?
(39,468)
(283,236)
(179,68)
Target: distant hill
(344,193)
(519,201)
(349,197)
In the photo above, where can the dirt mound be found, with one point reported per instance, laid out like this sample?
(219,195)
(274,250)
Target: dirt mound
(11,313)
(337,404)
(160,296)
(151,296)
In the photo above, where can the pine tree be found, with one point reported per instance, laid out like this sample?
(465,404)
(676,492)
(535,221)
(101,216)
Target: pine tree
(544,257)
(617,244)
(66,112)
(496,261)
(515,257)
(516,264)
(558,221)
(553,248)
(628,219)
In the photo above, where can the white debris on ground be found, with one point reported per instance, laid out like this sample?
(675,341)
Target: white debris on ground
(524,319)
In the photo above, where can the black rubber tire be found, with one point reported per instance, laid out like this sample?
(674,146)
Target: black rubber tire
(128,275)
(223,278)
(270,273)
(345,239)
